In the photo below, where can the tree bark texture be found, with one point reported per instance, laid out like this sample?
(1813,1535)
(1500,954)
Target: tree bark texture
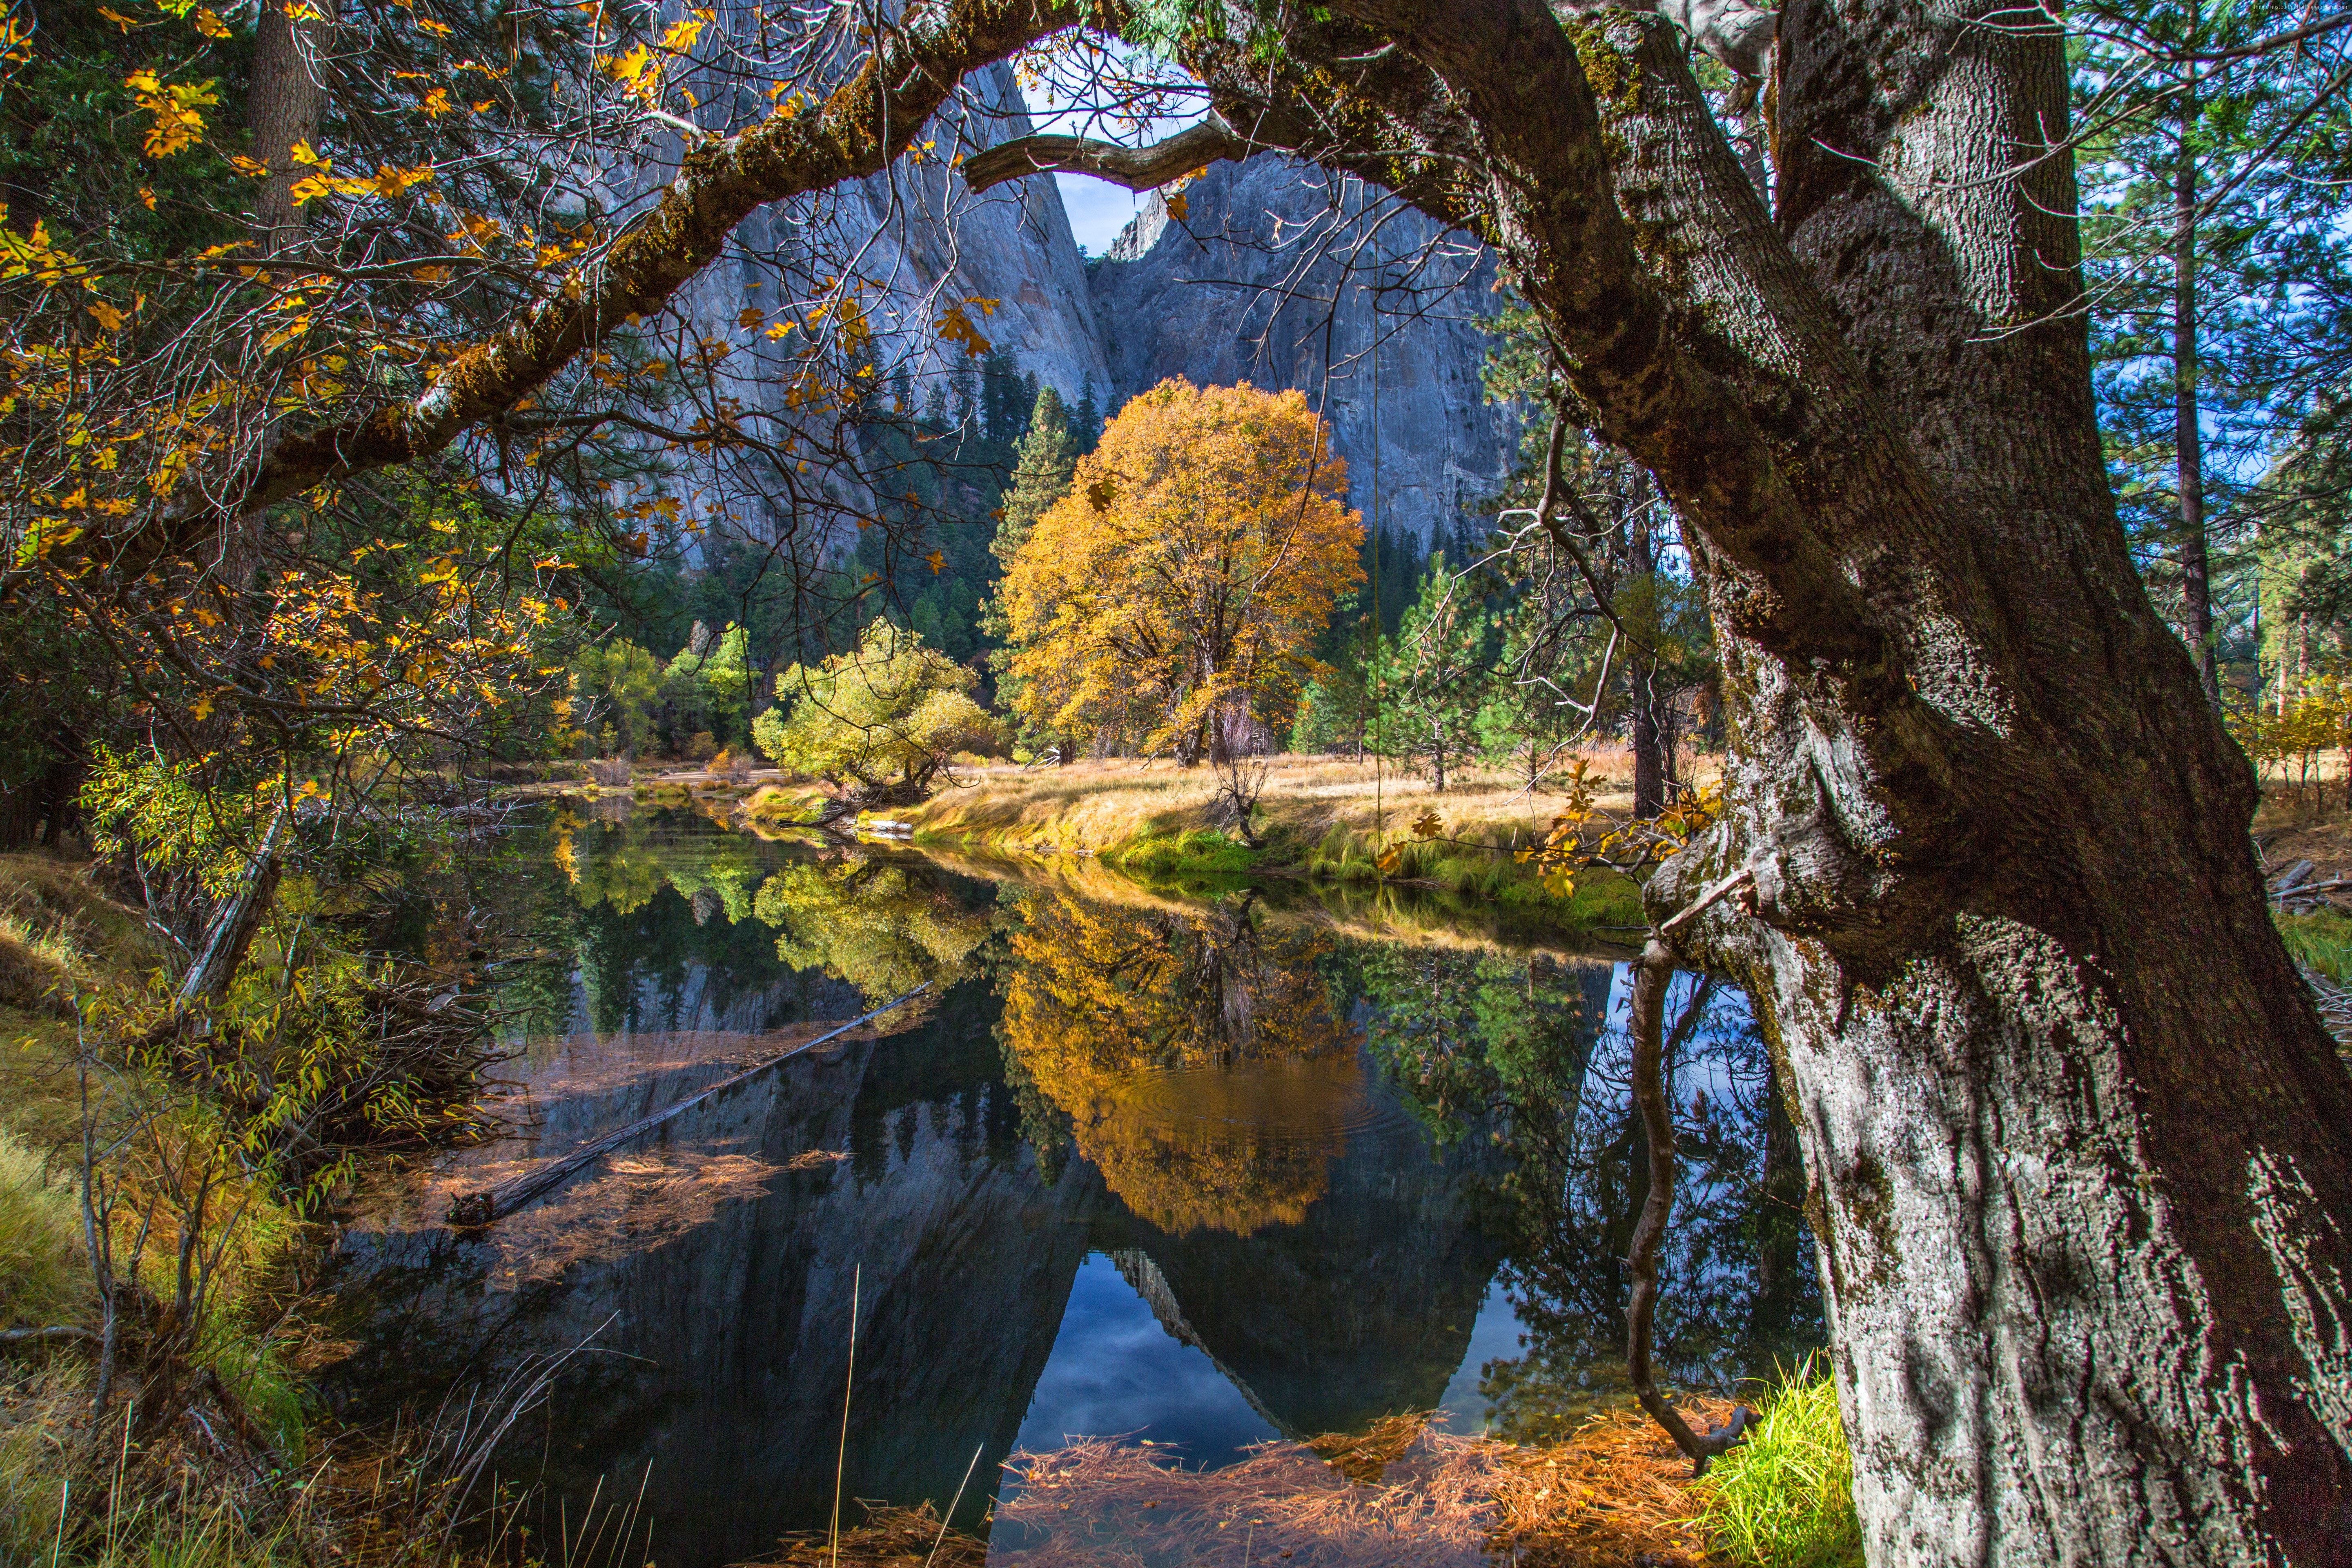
(282,110)
(2076,1145)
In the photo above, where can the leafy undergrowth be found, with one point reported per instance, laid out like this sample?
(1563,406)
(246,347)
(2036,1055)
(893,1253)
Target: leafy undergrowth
(229,1474)
(1784,1498)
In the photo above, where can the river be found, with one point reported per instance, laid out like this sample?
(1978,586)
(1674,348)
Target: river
(1197,1167)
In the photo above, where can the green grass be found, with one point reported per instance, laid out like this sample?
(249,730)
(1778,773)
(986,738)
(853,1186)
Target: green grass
(1784,1498)
(1603,899)
(43,1279)
(1193,853)
(2321,943)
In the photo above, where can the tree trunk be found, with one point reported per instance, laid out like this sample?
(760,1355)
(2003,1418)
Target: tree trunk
(2075,1141)
(281,109)
(2076,1145)
(1641,674)
(2188,430)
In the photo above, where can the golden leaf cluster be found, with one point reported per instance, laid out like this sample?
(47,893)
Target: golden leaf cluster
(1193,564)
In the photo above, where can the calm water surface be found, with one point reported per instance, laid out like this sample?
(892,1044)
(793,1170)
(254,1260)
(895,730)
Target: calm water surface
(1202,1171)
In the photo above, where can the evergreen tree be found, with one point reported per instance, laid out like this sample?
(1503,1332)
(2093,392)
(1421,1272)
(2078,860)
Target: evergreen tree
(1435,675)
(2215,238)
(1042,461)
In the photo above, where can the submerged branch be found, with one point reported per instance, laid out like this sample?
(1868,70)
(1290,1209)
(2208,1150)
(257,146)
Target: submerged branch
(473,1210)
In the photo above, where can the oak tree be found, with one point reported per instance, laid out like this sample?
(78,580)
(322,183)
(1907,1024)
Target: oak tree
(1174,592)
(2077,1145)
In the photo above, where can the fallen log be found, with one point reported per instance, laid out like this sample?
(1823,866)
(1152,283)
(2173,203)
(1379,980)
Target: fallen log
(471,1211)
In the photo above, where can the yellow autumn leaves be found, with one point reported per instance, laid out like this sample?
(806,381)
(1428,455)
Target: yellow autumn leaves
(177,108)
(1180,583)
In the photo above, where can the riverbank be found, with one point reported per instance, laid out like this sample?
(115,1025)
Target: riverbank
(191,1435)
(1325,819)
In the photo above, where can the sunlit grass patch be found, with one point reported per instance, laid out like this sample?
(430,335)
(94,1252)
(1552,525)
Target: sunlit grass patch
(1784,1498)
(1200,851)
(43,1279)
(2321,942)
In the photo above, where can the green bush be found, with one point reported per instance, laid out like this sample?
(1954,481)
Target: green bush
(1784,1498)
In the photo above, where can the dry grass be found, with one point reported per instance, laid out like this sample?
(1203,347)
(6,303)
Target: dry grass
(1091,806)
(889,1538)
(1615,1495)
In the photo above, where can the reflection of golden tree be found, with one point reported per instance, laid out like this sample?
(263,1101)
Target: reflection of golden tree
(878,927)
(1195,1053)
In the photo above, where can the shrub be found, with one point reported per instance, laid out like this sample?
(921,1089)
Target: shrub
(613,773)
(702,747)
(882,719)
(1784,1498)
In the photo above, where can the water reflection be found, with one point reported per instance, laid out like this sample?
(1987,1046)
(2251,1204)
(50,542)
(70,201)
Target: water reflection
(1194,1053)
(1534,1056)
(1204,1173)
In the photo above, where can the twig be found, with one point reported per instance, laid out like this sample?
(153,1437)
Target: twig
(57,1335)
(848,1382)
(1743,878)
(952,1506)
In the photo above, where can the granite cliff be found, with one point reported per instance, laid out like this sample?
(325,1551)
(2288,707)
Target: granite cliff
(1275,276)
(1268,272)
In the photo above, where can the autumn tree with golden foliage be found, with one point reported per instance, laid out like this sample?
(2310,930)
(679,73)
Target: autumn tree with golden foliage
(1170,597)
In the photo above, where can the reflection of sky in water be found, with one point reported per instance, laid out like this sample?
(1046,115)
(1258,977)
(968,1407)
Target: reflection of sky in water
(1496,1336)
(1115,1370)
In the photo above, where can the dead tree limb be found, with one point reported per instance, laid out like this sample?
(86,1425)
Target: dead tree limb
(1651,976)
(474,1210)
(233,927)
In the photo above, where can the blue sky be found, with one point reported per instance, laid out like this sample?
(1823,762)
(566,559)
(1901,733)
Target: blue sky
(1097,210)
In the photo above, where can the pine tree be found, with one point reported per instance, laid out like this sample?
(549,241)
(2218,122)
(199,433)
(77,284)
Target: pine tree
(1042,461)
(1436,675)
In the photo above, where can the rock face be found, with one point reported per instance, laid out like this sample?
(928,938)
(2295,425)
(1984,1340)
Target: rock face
(1275,277)
(1272,275)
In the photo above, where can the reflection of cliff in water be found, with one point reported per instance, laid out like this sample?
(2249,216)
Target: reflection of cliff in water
(706,1274)
(1307,1155)
(1362,1309)
(716,1355)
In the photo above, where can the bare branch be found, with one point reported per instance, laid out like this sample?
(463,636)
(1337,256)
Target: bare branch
(1134,168)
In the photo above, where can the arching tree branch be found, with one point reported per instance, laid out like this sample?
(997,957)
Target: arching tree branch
(867,121)
(1135,168)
